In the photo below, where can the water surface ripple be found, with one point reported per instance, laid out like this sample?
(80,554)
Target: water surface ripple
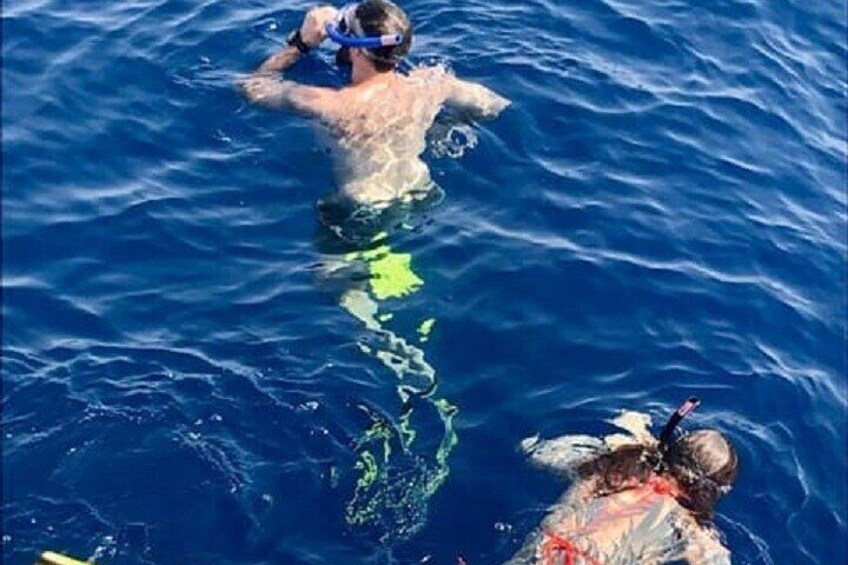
(662,212)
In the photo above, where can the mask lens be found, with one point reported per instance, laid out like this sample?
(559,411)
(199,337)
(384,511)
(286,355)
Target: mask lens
(346,16)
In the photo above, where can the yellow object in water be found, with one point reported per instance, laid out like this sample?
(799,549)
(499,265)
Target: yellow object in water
(391,274)
(52,558)
(425,328)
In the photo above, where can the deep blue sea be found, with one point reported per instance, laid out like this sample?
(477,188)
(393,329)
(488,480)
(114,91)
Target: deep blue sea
(660,213)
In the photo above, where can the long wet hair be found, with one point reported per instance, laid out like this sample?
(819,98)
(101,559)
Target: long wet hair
(381,17)
(703,464)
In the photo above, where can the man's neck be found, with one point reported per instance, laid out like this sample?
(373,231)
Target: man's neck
(364,73)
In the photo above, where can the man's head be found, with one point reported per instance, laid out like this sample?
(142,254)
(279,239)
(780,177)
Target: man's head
(375,18)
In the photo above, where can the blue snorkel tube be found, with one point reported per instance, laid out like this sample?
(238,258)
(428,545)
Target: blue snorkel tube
(349,40)
(342,32)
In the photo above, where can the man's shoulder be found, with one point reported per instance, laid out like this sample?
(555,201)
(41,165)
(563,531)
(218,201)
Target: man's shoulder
(430,75)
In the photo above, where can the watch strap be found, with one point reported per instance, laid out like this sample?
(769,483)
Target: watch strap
(296,41)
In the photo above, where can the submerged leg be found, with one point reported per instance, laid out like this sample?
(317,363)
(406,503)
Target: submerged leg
(396,481)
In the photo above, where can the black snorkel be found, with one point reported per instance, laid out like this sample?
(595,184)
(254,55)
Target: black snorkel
(668,431)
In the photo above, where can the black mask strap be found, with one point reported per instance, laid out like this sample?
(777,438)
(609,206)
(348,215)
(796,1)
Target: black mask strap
(343,57)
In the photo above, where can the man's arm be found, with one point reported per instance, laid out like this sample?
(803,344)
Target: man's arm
(474,98)
(266,87)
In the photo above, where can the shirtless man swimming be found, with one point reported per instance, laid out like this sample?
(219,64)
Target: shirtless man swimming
(377,129)
(378,124)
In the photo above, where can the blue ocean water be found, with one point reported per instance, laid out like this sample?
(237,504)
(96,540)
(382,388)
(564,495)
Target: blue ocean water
(662,212)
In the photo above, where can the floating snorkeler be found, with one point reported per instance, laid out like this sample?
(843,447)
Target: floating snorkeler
(635,499)
(378,124)
(377,129)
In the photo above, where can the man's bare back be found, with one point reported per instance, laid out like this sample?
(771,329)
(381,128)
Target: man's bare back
(377,126)
(379,130)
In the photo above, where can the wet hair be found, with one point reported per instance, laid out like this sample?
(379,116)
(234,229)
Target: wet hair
(381,17)
(703,464)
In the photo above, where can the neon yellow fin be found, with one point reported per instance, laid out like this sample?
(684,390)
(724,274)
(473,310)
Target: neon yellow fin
(53,558)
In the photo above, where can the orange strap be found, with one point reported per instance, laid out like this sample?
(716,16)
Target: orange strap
(663,486)
(556,544)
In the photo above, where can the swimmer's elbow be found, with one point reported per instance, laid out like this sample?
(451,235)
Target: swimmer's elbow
(490,105)
(242,89)
(481,101)
(261,89)
(496,105)
(247,86)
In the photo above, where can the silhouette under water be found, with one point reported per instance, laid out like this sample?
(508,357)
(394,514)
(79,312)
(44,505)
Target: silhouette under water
(399,471)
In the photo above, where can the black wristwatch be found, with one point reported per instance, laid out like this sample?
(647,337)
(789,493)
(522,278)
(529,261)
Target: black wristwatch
(295,40)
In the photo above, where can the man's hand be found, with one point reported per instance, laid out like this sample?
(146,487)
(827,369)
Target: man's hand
(313,30)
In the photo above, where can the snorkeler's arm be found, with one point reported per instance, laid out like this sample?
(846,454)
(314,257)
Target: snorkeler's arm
(269,89)
(562,455)
(704,547)
(474,98)
(266,87)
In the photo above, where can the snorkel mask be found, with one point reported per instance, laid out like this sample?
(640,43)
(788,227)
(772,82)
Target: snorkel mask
(347,32)
(688,465)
